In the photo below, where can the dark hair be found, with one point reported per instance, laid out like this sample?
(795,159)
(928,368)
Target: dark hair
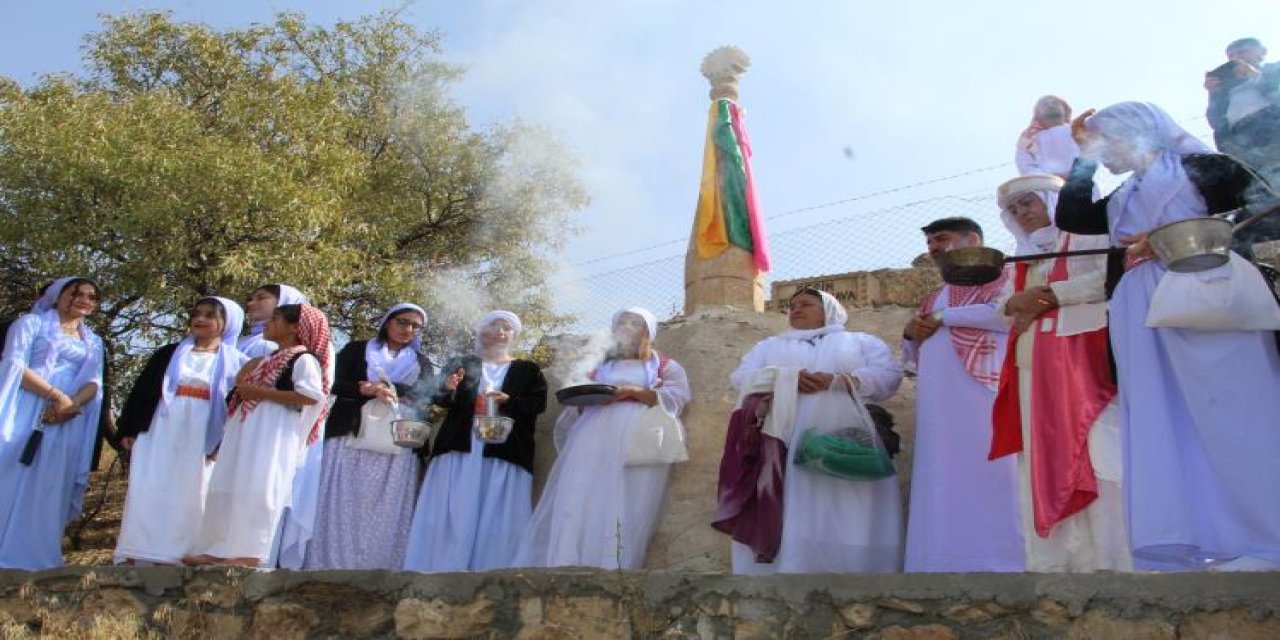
(216,304)
(1245,42)
(382,331)
(817,293)
(76,282)
(292,313)
(958,224)
(273,289)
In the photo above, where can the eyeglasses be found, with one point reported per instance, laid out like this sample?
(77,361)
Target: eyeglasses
(405,323)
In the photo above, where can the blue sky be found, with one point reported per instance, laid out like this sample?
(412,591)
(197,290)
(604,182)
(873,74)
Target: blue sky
(916,90)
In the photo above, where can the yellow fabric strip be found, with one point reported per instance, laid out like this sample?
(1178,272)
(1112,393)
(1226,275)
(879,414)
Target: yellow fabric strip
(710,235)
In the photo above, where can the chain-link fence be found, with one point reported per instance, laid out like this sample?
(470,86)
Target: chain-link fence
(876,239)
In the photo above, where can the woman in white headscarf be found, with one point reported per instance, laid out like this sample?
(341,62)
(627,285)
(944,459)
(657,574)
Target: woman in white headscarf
(50,392)
(172,424)
(478,495)
(258,309)
(1198,407)
(597,510)
(828,523)
(368,485)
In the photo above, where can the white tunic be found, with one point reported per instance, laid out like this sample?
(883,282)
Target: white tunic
(595,510)
(253,479)
(830,524)
(964,513)
(169,473)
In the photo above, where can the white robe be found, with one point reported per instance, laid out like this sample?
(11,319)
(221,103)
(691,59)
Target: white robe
(169,474)
(253,479)
(830,524)
(1055,151)
(963,514)
(596,511)
(1093,539)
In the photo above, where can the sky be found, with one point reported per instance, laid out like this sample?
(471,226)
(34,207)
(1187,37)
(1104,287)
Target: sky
(843,98)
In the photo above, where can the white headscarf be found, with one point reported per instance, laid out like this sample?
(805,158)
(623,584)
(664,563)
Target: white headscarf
(403,367)
(288,295)
(1046,187)
(51,328)
(834,317)
(651,366)
(1143,201)
(491,317)
(223,378)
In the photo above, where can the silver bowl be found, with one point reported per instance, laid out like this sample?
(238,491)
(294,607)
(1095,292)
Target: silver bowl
(1188,246)
(492,429)
(410,434)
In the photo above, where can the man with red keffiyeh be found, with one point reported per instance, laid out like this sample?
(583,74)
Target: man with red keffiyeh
(964,509)
(278,407)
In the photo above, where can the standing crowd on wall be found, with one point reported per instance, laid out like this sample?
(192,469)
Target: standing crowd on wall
(1092,408)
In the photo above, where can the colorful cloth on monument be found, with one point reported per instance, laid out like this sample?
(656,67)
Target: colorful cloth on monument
(964,509)
(728,209)
(1056,407)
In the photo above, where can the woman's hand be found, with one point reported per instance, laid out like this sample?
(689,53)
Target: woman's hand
(1139,248)
(250,392)
(126,443)
(1078,132)
(498,396)
(453,380)
(814,382)
(639,394)
(61,408)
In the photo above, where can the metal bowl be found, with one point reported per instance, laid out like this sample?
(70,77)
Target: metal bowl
(1187,246)
(492,429)
(586,395)
(410,434)
(971,266)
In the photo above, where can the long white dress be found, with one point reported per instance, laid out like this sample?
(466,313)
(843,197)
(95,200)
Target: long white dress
(253,478)
(964,513)
(596,511)
(830,524)
(169,474)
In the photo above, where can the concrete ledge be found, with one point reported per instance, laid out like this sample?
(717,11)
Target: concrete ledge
(229,603)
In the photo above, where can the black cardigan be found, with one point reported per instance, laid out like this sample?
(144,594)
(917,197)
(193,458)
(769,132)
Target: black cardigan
(527,389)
(350,369)
(1221,181)
(140,407)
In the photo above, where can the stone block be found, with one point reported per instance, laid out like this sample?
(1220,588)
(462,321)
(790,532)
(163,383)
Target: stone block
(1097,624)
(858,616)
(1237,624)
(921,632)
(212,589)
(364,620)
(587,617)
(1051,613)
(420,619)
(905,606)
(282,621)
(199,625)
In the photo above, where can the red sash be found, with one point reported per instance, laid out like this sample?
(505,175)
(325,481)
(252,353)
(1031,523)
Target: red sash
(1071,385)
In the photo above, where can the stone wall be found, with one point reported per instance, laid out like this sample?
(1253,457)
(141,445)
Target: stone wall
(223,603)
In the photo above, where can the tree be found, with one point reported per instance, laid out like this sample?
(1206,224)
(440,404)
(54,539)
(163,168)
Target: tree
(188,161)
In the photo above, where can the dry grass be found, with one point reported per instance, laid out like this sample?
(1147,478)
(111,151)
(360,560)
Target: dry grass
(103,508)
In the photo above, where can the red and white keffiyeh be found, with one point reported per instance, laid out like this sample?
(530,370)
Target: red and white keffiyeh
(976,347)
(313,337)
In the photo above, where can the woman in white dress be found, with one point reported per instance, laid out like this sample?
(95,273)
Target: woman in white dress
(171,424)
(279,404)
(828,523)
(597,510)
(477,497)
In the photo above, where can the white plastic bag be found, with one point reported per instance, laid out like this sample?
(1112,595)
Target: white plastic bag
(656,438)
(1233,297)
(839,439)
(376,417)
